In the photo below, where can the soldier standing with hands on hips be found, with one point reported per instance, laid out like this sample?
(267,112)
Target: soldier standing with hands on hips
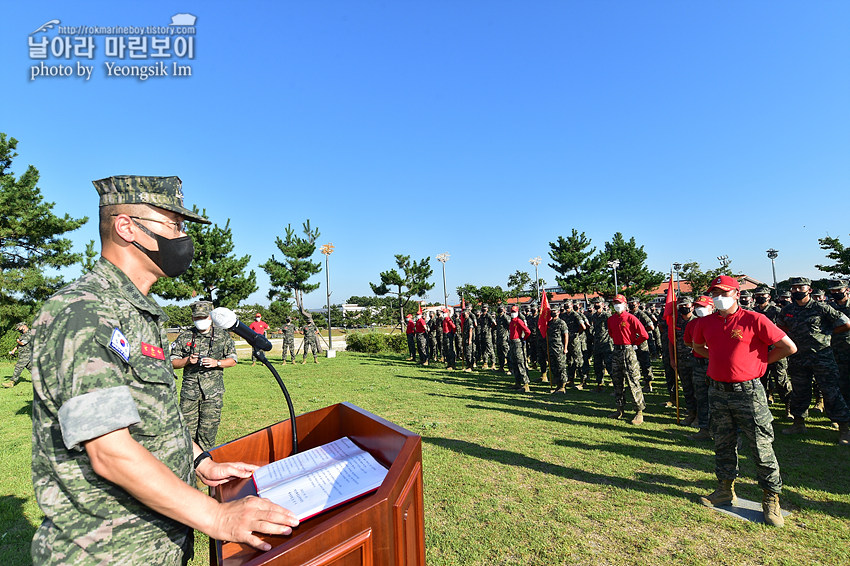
(112,461)
(203,352)
(736,342)
(627,333)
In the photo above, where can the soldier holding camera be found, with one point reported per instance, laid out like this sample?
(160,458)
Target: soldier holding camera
(203,352)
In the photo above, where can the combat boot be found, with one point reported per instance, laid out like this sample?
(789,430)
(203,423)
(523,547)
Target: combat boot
(671,402)
(818,405)
(799,426)
(771,509)
(618,414)
(284,363)
(561,389)
(544,377)
(844,434)
(638,420)
(701,434)
(525,388)
(689,420)
(723,495)
(304,361)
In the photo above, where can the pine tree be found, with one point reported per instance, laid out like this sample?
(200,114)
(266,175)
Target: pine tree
(215,274)
(580,271)
(837,253)
(289,276)
(411,282)
(30,241)
(632,273)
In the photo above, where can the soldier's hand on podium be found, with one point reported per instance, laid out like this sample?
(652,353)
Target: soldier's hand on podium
(237,521)
(217,473)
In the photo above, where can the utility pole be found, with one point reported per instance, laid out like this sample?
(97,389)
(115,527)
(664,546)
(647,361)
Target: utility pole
(327,250)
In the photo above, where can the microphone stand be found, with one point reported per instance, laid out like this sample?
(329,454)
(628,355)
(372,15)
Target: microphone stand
(260,355)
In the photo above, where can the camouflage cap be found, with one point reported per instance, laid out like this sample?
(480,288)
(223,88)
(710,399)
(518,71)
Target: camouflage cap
(818,293)
(762,291)
(799,281)
(837,284)
(786,295)
(20,326)
(161,192)
(686,300)
(201,308)
(746,293)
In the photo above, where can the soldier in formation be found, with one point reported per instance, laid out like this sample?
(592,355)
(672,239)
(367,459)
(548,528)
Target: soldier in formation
(311,340)
(603,347)
(288,340)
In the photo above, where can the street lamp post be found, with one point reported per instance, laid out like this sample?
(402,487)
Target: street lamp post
(724,261)
(327,250)
(676,267)
(443,258)
(535,261)
(773,254)
(614,264)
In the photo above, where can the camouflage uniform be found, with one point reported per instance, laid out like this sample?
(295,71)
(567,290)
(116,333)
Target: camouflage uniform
(643,354)
(24,355)
(587,347)
(99,366)
(531,321)
(431,334)
(555,333)
(576,342)
(603,346)
(841,342)
(810,327)
(503,321)
(486,323)
(438,337)
(289,341)
(202,390)
(775,378)
(625,365)
(685,363)
(311,340)
(468,340)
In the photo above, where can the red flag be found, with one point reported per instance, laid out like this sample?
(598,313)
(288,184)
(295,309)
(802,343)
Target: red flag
(670,311)
(462,311)
(420,308)
(545,315)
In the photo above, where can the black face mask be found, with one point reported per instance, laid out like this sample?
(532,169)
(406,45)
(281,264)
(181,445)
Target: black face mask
(799,295)
(837,297)
(174,255)
(761,300)
(684,311)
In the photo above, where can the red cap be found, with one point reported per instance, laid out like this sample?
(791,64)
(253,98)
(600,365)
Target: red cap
(704,301)
(409,316)
(514,309)
(724,283)
(619,299)
(256,315)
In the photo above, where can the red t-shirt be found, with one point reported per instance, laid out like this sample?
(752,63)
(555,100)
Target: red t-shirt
(420,326)
(518,329)
(410,327)
(258,326)
(448,325)
(737,344)
(689,335)
(626,328)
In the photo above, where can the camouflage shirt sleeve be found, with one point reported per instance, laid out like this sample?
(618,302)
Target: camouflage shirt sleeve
(88,388)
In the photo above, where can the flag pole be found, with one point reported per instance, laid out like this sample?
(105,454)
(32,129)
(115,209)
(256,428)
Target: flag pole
(675,348)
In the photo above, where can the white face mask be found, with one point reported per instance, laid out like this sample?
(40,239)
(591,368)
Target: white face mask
(620,307)
(723,303)
(203,325)
(702,311)
(514,315)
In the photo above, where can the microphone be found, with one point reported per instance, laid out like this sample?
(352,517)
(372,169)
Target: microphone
(225,318)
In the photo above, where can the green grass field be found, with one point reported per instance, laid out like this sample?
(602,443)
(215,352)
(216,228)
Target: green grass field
(522,479)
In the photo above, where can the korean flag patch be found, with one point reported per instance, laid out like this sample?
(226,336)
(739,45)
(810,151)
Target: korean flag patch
(119,344)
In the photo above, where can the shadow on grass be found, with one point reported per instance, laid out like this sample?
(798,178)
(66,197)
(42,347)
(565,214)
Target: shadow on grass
(17,531)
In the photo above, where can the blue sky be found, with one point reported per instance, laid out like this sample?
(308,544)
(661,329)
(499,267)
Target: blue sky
(482,129)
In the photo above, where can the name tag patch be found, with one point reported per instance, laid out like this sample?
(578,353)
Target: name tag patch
(118,343)
(152,351)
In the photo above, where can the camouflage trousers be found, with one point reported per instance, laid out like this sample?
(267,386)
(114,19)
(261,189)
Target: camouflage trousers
(487,355)
(411,346)
(201,409)
(310,345)
(744,409)
(575,359)
(686,380)
(645,361)
(432,345)
(626,370)
(543,354)
(585,366)
(422,347)
(701,391)
(501,351)
(289,348)
(821,367)
(602,361)
(469,353)
(532,348)
(23,363)
(775,379)
(438,345)
(842,360)
(516,361)
(449,349)
(557,366)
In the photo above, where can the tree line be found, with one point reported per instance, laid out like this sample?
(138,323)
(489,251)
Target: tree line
(34,246)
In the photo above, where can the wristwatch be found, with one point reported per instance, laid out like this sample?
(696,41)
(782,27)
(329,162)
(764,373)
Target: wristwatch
(218,363)
(201,457)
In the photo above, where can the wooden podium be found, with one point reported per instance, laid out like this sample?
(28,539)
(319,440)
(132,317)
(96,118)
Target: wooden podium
(384,528)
